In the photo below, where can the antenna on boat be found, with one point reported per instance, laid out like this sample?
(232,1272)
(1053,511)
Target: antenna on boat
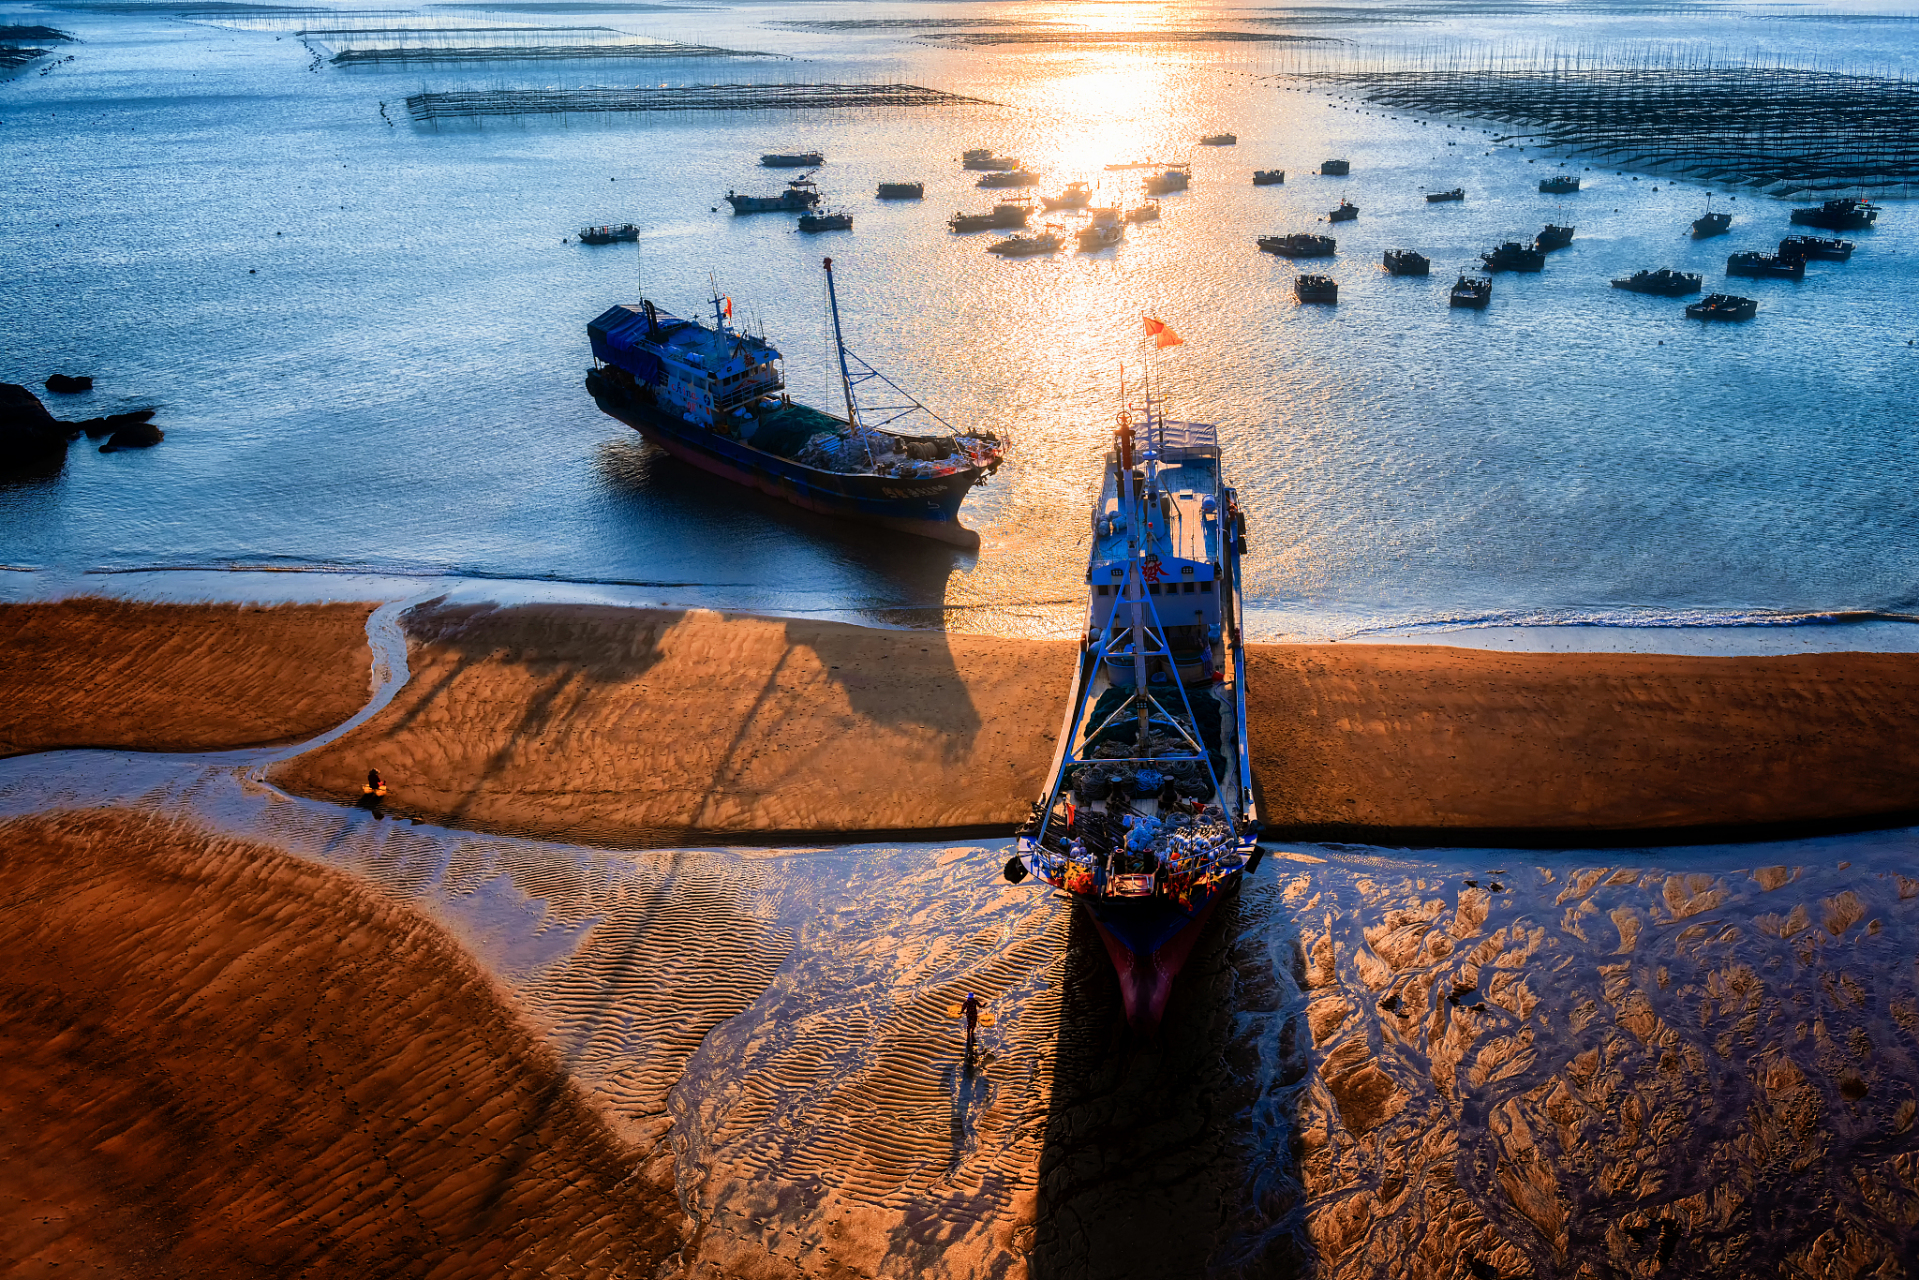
(846,377)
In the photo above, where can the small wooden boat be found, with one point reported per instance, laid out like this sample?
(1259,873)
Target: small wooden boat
(1766,266)
(1710,224)
(1440,197)
(1663,283)
(1472,291)
(1171,180)
(797,160)
(1008,178)
(1268,177)
(608,235)
(1559,186)
(1346,212)
(1004,217)
(811,222)
(1105,230)
(1147,212)
(1553,238)
(1335,168)
(982,158)
(1076,196)
(1723,306)
(1219,140)
(1815,247)
(1404,262)
(902,190)
(1839,215)
(1047,241)
(1299,245)
(1513,256)
(1316,289)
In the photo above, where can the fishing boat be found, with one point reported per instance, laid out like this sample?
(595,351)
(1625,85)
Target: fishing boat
(841,221)
(1710,224)
(1560,185)
(1047,241)
(1663,283)
(800,195)
(714,396)
(1335,168)
(1076,196)
(1008,178)
(1346,212)
(1723,306)
(1219,140)
(1316,289)
(1299,245)
(1160,184)
(1268,177)
(1140,164)
(1815,247)
(1106,229)
(797,160)
(1146,212)
(1003,217)
(1839,215)
(982,158)
(1766,266)
(1513,256)
(1147,820)
(1404,262)
(1553,237)
(1471,291)
(608,235)
(902,190)
(1440,197)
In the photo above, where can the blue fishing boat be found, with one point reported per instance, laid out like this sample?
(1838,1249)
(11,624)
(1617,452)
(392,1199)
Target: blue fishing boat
(714,396)
(1148,818)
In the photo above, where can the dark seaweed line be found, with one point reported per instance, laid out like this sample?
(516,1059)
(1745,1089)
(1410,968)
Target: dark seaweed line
(541,53)
(709,97)
(1778,128)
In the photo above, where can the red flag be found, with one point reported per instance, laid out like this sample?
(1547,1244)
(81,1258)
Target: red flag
(1162,334)
(729,308)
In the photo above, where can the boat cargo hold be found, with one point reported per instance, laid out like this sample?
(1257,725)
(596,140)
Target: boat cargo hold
(1148,819)
(714,396)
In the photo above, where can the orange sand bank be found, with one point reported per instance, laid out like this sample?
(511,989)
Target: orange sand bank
(1401,741)
(650,726)
(164,677)
(637,726)
(219,1060)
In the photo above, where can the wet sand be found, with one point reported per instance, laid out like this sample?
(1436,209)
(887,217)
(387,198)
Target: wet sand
(222,1060)
(169,677)
(1426,744)
(643,727)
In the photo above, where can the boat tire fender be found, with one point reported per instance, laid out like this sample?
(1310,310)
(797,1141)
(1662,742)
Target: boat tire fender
(1014,870)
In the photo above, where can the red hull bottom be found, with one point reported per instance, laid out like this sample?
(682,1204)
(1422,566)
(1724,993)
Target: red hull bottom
(1145,982)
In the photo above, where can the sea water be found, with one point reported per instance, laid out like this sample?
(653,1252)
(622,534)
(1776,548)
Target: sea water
(365,337)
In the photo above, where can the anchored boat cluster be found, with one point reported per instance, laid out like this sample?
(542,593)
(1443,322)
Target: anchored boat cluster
(1783,129)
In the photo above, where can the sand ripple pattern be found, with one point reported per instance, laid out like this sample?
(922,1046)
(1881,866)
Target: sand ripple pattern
(1668,1066)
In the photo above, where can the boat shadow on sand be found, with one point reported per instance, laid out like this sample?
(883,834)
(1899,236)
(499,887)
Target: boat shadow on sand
(1149,1167)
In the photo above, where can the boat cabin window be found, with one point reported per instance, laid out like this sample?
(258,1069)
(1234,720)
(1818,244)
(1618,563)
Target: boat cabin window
(1153,588)
(1104,589)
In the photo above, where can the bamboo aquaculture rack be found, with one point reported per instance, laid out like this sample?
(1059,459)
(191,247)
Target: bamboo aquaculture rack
(697,97)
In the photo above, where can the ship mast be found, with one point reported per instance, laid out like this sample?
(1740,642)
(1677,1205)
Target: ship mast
(846,377)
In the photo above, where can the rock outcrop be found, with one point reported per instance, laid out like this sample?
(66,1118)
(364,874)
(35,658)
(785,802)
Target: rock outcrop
(68,384)
(30,437)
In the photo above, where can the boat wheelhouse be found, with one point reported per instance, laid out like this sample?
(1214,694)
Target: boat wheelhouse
(714,396)
(1148,819)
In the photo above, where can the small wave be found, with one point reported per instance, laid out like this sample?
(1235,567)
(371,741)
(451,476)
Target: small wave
(1648,619)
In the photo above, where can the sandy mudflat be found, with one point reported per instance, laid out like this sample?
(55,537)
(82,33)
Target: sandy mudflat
(650,726)
(219,1060)
(1386,741)
(165,677)
(645,726)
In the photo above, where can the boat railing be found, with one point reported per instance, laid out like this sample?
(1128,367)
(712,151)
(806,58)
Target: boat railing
(746,394)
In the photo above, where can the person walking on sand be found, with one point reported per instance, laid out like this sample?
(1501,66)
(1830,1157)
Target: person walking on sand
(971,1007)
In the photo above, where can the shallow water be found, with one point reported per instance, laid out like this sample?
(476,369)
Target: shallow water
(366,340)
